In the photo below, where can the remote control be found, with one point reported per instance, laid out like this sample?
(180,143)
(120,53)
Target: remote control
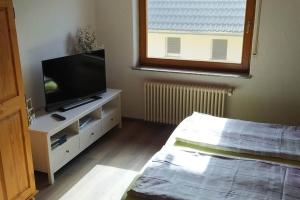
(58,117)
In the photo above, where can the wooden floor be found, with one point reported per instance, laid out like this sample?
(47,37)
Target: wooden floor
(127,148)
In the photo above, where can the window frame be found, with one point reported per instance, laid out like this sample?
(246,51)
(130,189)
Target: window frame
(244,67)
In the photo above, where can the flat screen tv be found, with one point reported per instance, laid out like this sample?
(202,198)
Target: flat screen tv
(72,79)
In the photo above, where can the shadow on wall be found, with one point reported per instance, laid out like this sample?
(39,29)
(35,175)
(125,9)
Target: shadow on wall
(71,43)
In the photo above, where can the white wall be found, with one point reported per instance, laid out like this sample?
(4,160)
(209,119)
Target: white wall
(272,95)
(45,29)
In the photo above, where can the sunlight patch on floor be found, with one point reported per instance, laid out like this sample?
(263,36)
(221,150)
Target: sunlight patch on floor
(101,183)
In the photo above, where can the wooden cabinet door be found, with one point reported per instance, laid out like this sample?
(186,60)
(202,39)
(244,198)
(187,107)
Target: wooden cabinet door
(16,168)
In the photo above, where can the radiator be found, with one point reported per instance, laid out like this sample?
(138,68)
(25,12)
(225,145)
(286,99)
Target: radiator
(170,103)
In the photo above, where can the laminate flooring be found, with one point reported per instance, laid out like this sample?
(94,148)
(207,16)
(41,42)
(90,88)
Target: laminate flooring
(127,149)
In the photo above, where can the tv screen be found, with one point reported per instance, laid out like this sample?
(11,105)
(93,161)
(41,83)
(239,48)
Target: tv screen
(73,78)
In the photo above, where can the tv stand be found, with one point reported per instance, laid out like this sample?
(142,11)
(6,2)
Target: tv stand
(55,143)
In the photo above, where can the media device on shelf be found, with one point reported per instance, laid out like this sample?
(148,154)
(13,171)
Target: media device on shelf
(74,80)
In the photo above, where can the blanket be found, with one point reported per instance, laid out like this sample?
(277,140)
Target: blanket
(253,138)
(175,174)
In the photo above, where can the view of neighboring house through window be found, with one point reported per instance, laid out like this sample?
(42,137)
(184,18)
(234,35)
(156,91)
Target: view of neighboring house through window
(219,49)
(173,46)
(214,34)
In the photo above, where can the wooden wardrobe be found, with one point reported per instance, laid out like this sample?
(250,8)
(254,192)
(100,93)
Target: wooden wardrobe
(16,168)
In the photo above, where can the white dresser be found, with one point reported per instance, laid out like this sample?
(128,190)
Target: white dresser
(82,127)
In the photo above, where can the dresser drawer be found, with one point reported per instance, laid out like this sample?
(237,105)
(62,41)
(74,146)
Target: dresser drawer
(65,152)
(90,134)
(110,121)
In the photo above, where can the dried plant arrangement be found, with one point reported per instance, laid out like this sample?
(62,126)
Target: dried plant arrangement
(86,39)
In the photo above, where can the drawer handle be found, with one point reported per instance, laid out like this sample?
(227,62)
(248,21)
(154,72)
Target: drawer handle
(68,151)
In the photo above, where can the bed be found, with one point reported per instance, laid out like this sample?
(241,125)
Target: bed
(210,158)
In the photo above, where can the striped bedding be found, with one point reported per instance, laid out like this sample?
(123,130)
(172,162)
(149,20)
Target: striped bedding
(174,174)
(242,137)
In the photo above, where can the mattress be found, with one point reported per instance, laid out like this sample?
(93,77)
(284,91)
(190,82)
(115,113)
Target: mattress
(187,175)
(223,136)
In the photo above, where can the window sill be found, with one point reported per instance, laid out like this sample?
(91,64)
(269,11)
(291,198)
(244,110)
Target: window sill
(193,72)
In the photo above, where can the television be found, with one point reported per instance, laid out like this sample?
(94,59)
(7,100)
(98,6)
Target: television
(73,79)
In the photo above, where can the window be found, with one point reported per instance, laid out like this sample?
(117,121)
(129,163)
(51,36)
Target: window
(214,35)
(173,46)
(219,49)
